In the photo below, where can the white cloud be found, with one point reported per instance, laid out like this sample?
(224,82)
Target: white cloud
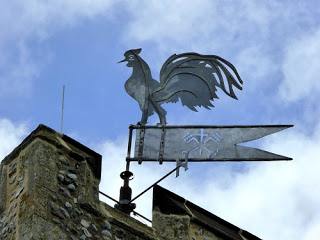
(35,18)
(256,66)
(25,24)
(211,25)
(18,74)
(312,232)
(273,200)
(301,68)
(11,136)
(114,162)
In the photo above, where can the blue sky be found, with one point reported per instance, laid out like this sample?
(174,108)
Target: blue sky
(275,45)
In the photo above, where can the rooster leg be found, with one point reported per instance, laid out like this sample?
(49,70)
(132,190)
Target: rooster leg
(144,117)
(160,111)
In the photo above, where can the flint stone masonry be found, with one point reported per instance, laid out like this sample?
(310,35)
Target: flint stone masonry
(49,189)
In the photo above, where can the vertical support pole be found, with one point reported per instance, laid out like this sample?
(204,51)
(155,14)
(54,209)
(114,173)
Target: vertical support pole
(141,143)
(125,204)
(129,148)
(63,90)
(162,142)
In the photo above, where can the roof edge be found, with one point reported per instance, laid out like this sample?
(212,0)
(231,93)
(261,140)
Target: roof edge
(51,136)
(171,203)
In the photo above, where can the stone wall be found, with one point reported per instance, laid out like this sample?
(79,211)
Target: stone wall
(49,190)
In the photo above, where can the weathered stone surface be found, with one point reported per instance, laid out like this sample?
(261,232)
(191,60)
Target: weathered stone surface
(119,233)
(68,206)
(12,165)
(55,211)
(106,224)
(65,226)
(12,180)
(74,217)
(171,226)
(19,191)
(88,215)
(40,228)
(12,172)
(94,227)
(20,179)
(72,176)
(83,237)
(3,187)
(71,187)
(60,177)
(55,220)
(15,213)
(75,171)
(54,197)
(86,232)
(4,230)
(64,161)
(73,237)
(79,212)
(85,223)
(106,233)
(65,192)
(9,210)
(64,212)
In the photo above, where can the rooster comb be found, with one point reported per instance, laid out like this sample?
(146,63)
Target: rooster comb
(135,51)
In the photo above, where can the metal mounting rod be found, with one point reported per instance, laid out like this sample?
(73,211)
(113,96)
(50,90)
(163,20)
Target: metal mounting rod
(108,197)
(154,184)
(138,214)
(280,158)
(63,90)
(134,212)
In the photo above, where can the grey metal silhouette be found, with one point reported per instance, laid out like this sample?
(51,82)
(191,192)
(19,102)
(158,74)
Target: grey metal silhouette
(201,143)
(191,77)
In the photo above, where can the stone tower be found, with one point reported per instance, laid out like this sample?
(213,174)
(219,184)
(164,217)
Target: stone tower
(49,189)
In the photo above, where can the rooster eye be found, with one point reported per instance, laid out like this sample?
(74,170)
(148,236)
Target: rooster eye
(131,57)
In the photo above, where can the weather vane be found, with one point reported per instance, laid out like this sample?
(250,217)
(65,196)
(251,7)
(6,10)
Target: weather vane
(193,78)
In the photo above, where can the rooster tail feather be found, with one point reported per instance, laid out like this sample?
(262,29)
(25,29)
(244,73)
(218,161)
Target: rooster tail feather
(195,79)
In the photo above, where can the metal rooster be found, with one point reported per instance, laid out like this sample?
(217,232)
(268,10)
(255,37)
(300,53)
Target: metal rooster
(191,77)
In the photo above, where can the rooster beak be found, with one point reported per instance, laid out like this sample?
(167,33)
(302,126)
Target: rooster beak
(122,60)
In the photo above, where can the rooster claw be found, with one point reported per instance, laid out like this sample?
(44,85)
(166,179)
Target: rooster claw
(141,123)
(161,124)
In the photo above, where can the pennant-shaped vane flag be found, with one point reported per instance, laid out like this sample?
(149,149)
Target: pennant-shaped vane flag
(202,143)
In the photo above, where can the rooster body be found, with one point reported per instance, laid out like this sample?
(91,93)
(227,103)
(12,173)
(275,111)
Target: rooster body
(190,77)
